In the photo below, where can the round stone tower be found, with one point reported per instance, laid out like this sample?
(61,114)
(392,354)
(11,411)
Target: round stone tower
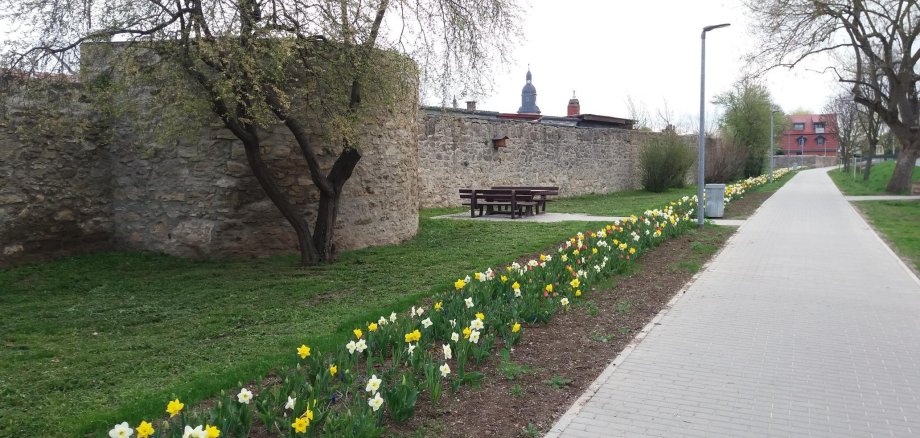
(529,97)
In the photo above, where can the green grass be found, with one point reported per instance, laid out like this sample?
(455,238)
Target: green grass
(619,203)
(899,222)
(94,340)
(879,176)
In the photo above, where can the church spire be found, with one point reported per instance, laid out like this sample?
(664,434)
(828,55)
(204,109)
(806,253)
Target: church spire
(529,96)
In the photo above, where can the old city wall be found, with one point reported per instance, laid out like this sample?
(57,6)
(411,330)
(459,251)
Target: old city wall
(456,151)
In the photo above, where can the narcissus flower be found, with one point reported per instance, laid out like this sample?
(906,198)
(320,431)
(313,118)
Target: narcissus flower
(212,431)
(174,407)
(578,293)
(350,346)
(245,396)
(411,348)
(382,321)
(564,301)
(358,333)
(504,278)
(445,370)
(448,353)
(333,369)
(480,316)
(197,432)
(459,284)
(372,327)
(466,332)
(122,430)
(474,336)
(427,322)
(455,336)
(376,402)
(469,302)
(144,430)
(419,311)
(438,306)
(361,345)
(565,258)
(476,324)
(300,425)
(549,288)
(575,283)
(393,317)
(373,384)
(290,403)
(303,351)
(632,250)
(413,336)
(516,327)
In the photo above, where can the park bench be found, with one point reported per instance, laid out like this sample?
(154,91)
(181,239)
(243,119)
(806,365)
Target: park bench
(540,194)
(494,201)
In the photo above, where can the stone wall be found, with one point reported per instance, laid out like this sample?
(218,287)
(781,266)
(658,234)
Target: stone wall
(455,151)
(780,161)
(54,178)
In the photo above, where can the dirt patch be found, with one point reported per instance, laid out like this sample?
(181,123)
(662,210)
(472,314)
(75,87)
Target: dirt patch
(542,376)
(743,208)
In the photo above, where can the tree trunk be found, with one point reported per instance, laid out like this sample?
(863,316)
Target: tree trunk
(324,231)
(868,165)
(308,254)
(901,179)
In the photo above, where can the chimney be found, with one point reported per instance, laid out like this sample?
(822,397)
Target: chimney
(574,108)
(471,105)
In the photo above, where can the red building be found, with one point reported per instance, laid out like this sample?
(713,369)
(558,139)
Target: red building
(811,134)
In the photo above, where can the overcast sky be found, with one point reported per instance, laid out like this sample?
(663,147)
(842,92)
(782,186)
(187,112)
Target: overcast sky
(650,50)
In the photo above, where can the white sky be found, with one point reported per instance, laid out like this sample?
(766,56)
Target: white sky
(650,50)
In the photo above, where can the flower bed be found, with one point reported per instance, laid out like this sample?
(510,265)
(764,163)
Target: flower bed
(388,363)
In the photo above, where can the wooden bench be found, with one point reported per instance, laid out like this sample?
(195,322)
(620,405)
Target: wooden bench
(508,201)
(540,194)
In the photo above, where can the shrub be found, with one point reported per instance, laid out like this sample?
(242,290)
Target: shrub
(665,160)
(725,162)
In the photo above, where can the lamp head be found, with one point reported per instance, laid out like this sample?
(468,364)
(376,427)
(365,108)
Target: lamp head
(715,26)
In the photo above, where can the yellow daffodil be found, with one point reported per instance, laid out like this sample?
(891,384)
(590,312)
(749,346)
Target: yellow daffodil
(438,306)
(358,333)
(144,430)
(300,425)
(575,283)
(477,276)
(414,336)
(480,316)
(515,285)
(549,288)
(372,327)
(565,258)
(578,292)
(459,284)
(212,431)
(303,351)
(542,258)
(466,332)
(333,369)
(575,253)
(516,327)
(632,250)
(174,407)
(504,278)
(593,250)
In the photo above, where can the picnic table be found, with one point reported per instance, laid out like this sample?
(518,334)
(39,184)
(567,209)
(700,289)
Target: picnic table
(517,201)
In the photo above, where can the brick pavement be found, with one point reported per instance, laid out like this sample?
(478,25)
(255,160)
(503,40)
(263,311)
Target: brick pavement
(804,325)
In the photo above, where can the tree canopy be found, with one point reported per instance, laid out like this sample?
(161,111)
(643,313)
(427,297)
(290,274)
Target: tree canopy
(746,122)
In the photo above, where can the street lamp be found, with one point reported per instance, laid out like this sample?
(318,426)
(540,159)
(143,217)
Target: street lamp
(772,140)
(701,161)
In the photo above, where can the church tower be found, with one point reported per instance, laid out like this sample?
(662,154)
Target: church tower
(529,97)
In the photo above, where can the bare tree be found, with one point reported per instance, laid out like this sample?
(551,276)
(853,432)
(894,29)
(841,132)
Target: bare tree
(845,124)
(880,35)
(638,112)
(246,60)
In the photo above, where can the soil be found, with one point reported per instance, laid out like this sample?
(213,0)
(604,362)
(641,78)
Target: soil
(563,357)
(743,208)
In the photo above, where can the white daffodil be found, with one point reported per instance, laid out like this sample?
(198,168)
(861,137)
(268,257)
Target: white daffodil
(469,302)
(350,346)
(411,348)
(517,292)
(290,403)
(445,370)
(419,311)
(122,430)
(533,263)
(453,323)
(245,396)
(467,279)
(564,301)
(376,402)
(474,336)
(448,353)
(427,322)
(455,336)
(393,317)
(382,321)
(516,266)
(476,324)
(373,384)
(197,432)
(361,345)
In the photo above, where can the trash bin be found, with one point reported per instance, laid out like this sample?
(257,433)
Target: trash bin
(715,200)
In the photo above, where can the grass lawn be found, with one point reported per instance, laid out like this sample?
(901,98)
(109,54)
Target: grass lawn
(899,222)
(94,339)
(879,176)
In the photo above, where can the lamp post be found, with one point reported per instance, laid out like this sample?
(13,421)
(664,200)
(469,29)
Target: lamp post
(772,140)
(701,161)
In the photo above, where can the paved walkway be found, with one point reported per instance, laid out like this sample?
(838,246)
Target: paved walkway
(804,325)
(884,198)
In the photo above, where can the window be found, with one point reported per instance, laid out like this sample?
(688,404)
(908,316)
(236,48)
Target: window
(800,141)
(819,128)
(798,126)
(820,140)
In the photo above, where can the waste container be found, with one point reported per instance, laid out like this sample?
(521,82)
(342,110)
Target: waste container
(715,200)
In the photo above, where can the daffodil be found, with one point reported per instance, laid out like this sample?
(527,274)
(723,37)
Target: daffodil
(474,336)
(174,407)
(578,292)
(144,430)
(448,353)
(122,430)
(466,332)
(459,284)
(455,336)
(476,324)
(575,283)
(333,369)
(373,384)
(361,345)
(419,311)
(565,258)
(564,301)
(393,317)
(516,327)
(358,333)
(504,278)
(413,336)
(438,306)
(245,396)
(300,425)
(303,351)
(372,327)
(376,402)
(212,431)
(197,432)
(480,316)
(290,403)
(411,348)
(382,321)
(469,302)
(427,322)
(549,288)
(445,370)
(632,250)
